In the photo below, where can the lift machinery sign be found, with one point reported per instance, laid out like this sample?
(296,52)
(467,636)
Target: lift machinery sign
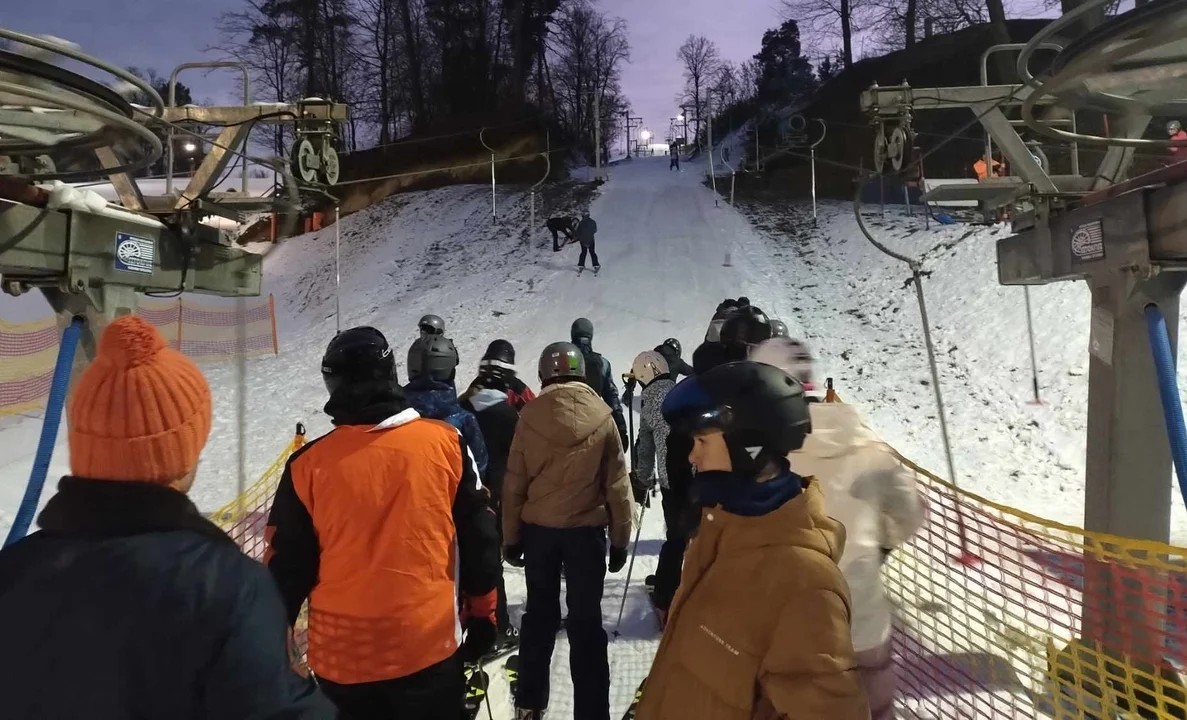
(1088,242)
(134,254)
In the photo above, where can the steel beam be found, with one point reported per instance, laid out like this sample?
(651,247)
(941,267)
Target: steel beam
(126,188)
(888,98)
(278,113)
(1117,160)
(228,142)
(1022,163)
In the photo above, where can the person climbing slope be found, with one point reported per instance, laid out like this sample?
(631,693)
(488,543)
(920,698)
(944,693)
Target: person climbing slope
(760,625)
(383,526)
(598,373)
(432,368)
(128,602)
(566,483)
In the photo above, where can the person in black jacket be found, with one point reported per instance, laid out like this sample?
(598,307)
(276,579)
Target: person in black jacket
(671,351)
(488,398)
(556,226)
(128,603)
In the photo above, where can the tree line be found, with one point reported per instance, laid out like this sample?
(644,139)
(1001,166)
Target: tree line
(426,67)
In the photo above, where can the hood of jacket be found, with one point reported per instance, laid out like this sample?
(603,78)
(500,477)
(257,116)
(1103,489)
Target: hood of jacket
(433,398)
(565,414)
(485,398)
(837,429)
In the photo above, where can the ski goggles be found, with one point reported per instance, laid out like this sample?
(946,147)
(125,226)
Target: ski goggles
(688,409)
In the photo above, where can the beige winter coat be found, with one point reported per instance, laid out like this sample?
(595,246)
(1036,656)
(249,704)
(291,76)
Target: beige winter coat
(872,495)
(759,628)
(566,467)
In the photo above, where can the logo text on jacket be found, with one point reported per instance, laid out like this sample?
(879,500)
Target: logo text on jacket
(720,641)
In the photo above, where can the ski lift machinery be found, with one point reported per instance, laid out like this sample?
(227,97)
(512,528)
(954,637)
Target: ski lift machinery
(92,262)
(1126,240)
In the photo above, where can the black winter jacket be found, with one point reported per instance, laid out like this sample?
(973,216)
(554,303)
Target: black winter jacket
(497,419)
(128,604)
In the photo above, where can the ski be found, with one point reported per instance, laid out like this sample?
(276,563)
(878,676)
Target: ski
(497,653)
(511,672)
(477,682)
(630,711)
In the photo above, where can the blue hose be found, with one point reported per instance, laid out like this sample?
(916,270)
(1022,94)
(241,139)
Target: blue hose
(49,432)
(1168,389)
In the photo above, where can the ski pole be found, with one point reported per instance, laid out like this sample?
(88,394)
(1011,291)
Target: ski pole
(629,569)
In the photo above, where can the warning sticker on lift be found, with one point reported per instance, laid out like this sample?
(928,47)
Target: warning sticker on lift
(1088,242)
(134,254)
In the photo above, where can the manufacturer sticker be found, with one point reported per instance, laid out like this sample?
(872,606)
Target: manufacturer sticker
(134,254)
(1088,242)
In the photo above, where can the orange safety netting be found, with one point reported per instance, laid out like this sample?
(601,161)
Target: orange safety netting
(203,332)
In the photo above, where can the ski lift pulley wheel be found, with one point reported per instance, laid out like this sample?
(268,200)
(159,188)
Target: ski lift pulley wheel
(329,163)
(306,162)
(899,147)
(880,149)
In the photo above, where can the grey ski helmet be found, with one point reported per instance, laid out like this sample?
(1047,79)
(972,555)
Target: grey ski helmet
(779,329)
(581,329)
(432,355)
(561,360)
(358,355)
(431,325)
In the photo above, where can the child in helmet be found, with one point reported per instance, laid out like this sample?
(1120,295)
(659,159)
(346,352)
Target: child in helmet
(760,625)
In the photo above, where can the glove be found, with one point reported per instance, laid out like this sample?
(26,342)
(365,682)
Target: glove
(617,559)
(640,491)
(480,640)
(513,555)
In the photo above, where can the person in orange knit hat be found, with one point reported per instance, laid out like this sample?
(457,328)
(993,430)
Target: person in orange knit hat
(128,602)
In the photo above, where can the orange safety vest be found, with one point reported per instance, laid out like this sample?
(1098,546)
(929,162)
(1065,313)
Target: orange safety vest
(980,168)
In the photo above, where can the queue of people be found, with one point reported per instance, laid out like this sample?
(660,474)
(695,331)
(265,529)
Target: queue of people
(391,532)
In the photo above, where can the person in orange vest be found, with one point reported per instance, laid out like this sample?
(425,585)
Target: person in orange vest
(982,171)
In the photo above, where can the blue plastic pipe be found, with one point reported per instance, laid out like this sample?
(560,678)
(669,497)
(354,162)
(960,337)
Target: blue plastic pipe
(49,432)
(1168,389)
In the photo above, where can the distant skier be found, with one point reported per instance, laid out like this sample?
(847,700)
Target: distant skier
(189,626)
(496,371)
(585,232)
(566,483)
(383,527)
(674,163)
(558,225)
(432,368)
(598,373)
(671,350)
(730,650)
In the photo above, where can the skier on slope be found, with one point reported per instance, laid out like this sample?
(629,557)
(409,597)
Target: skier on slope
(671,350)
(432,368)
(496,371)
(599,374)
(383,526)
(585,232)
(128,602)
(566,482)
(558,226)
(868,490)
(731,649)
(489,399)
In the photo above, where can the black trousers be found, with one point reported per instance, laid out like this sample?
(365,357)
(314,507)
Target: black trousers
(556,238)
(502,619)
(431,694)
(592,253)
(671,553)
(581,554)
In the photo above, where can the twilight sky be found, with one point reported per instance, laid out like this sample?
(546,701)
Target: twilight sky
(163,33)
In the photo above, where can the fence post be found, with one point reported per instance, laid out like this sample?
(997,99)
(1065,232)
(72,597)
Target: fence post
(272,317)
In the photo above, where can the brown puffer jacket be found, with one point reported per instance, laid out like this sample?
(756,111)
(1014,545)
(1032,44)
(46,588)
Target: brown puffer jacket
(760,625)
(566,467)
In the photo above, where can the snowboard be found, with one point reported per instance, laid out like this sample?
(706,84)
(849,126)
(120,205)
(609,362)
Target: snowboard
(630,711)
(511,672)
(477,682)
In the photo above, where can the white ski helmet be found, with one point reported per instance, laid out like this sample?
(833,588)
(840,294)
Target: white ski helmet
(789,355)
(648,366)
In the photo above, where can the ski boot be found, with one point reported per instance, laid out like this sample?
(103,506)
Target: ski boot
(507,641)
(597,268)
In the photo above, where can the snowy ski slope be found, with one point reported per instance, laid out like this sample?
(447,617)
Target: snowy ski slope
(663,242)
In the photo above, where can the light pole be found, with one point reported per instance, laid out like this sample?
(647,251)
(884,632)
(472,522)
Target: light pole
(645,136)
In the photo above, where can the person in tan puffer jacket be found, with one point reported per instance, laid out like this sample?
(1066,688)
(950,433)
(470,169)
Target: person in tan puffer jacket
(759,628)
(566,481)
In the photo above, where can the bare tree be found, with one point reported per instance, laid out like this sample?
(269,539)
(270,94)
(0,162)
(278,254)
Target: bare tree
(700,59)
(825,20)
(726,84)
(377,53)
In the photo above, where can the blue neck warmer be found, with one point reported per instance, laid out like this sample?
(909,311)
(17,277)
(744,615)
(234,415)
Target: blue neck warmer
(748,498)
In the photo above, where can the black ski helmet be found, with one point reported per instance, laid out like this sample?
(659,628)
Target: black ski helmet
(581,329)
(500,353)
(779,329)
(432,355)
(675,345)
(744,328)
(431,325)
(760,409)
(358,355)
(561,360)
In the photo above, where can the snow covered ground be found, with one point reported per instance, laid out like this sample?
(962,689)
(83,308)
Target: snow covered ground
(670,252)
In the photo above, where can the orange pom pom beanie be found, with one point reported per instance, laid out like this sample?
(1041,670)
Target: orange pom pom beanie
(140,411)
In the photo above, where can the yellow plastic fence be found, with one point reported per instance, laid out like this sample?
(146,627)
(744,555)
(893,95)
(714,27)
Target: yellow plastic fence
(1002,614)
(27,355)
